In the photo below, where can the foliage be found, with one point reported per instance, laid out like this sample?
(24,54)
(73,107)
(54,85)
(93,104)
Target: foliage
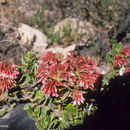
(59,93)
(8,76)
(117,58)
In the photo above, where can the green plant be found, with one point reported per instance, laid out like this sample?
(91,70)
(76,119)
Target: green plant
(59,93)
(117,58)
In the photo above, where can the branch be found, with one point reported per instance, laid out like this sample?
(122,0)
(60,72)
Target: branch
(8,26)
(25,93)
(6,41)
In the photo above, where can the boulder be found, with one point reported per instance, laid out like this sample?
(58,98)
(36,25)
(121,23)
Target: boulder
(33,37)
(83,27)
(2,1)
(17,119)
(103,69)
(27,34)
(64,51)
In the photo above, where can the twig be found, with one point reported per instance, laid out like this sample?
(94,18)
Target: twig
(25,93)
(8,26)
(6,41)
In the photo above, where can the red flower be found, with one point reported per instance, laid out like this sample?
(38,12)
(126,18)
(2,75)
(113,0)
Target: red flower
(119,61)
(56,72)
(51,88)
(8,74)
(83,71)
(52,73)
(127,70)
(48,66)
(77,97)
(125,51)
(49,59)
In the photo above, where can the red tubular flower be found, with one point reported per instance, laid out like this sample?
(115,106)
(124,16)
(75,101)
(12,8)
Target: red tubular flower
(84,71)
(49,59)
(127,70)
(119,61)
(52,73)
(49,66)
(77,97)
(125,51)
(56,72)
(50,87)
(8,74)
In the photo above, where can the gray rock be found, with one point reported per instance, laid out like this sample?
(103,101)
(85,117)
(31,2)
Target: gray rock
(17,119)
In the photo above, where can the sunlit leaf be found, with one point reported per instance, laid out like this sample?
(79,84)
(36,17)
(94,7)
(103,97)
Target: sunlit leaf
(121,71)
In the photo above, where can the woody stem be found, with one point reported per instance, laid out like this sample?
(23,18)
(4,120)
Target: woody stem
(26,94)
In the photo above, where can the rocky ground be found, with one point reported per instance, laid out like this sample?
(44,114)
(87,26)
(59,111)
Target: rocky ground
(88,25)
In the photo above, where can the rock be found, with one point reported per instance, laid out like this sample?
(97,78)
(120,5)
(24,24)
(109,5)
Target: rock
(27,34)
(2,1)
(62,50)
(34,37)
(103,69)
(83,27)
(30,13)
(17,119)
(40,43)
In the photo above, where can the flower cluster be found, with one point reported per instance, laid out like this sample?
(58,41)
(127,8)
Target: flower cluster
(8,74)
(59,75)
(121,59)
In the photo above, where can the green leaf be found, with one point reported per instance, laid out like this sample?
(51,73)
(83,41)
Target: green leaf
(27,78)
(30,113)
(37,110)
(70,108)
(79,122)
(5,95)
(53,105)
(109,76)
(65,95)
(55,123)
(121,71)
(23,61)
(114,50)
(2,112)
(26,106)
(109,58)
(39,95)
(46,121)
(120,46)
(66,115)
(52,115)
(39,126)
(43,112)
(63,124)
(52,123)
(13,105)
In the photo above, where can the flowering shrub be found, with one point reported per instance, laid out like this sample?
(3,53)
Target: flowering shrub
(121,59)
(8,74)
(73,74)
(118,60)
(59,92)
